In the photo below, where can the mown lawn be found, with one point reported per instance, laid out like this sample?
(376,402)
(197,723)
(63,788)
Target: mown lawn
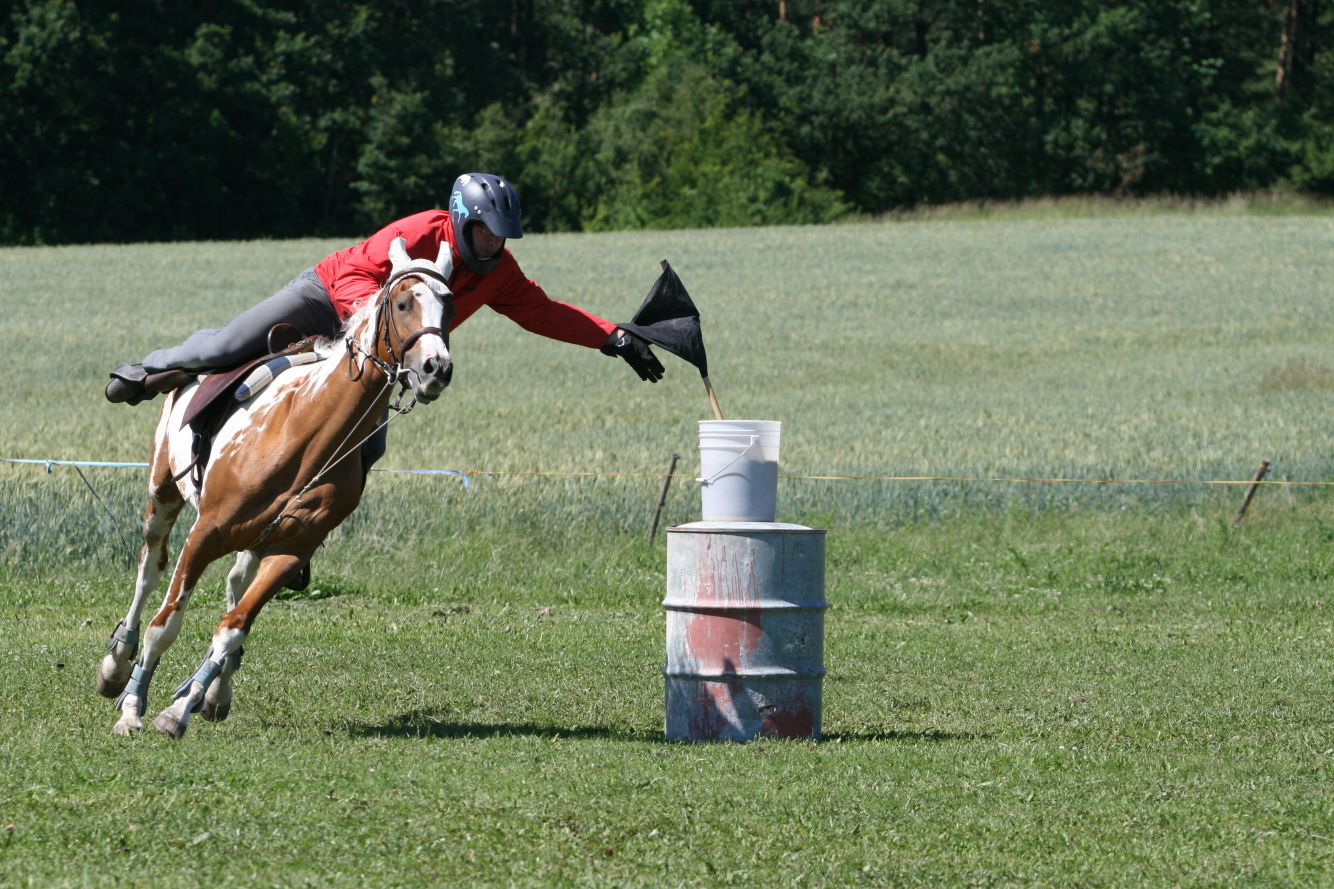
(1010,700)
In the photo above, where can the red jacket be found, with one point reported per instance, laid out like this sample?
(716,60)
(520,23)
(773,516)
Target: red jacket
(357,273)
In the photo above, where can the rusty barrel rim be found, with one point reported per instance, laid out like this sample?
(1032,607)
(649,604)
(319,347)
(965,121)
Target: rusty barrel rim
(743,528)
(695,606)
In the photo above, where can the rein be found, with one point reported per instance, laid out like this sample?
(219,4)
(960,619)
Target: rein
(392,369)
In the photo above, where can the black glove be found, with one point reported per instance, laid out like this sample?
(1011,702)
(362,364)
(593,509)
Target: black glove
(636,352)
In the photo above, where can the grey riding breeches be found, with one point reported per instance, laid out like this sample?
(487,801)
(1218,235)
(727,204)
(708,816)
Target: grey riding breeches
(303,303)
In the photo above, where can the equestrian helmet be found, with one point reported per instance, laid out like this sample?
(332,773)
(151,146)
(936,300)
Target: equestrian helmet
(481,197)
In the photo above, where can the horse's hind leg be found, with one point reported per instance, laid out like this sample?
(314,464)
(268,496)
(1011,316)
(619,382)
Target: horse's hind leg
(224,655)
(164,505)
(161,633)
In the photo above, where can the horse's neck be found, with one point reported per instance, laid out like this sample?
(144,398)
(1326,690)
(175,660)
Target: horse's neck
(356,385)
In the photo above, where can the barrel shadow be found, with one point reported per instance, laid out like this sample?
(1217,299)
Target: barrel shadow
(427,724)
(934,737)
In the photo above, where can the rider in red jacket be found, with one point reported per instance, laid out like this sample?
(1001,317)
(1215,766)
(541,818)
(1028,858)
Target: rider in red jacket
(483,213)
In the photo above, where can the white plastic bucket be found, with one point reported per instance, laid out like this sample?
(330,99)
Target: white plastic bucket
(738,470)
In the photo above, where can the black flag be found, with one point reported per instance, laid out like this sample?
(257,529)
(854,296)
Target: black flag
(669,319)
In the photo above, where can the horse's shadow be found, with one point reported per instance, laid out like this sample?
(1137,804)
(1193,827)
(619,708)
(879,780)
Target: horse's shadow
(435,724)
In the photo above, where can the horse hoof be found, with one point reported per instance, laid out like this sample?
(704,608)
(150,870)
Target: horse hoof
(112,678)
(216,713)
(110,688)
(126,729)
(169,725)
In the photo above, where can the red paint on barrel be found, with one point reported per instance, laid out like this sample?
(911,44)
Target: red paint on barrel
(794,721)
(722,641)
(723,581)
(713,706)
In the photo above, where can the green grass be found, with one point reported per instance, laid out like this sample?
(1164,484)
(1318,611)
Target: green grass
(1028,684)
(1011,700)
(1264,203)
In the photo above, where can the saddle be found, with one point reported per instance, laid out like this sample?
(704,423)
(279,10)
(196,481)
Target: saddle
(213,400)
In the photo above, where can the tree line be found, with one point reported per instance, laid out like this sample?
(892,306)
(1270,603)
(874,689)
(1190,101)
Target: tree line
(140,120)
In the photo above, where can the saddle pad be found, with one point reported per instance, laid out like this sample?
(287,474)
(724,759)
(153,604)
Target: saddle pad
(214,385)
(263,375)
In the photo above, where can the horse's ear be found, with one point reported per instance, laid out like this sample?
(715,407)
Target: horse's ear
(398,253)
(445,261)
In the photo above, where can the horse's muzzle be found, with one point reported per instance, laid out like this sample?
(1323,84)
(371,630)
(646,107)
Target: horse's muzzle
(429,382)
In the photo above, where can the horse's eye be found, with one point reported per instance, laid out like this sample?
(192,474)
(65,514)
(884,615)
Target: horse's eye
(402,307)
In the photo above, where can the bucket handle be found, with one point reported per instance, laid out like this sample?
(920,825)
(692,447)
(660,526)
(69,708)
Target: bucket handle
(754,440)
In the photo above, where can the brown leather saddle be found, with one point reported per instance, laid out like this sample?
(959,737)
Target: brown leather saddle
(213,400)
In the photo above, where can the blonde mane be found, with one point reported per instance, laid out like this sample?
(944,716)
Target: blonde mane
(363,319)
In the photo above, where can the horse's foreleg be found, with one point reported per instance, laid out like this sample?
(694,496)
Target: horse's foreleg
(209,690)
(113,673)
(218,697)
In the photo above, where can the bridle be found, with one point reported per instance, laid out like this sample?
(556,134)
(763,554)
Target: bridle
(392,369)
(386,332)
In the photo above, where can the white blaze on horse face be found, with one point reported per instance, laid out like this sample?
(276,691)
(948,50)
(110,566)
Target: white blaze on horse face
(429,361)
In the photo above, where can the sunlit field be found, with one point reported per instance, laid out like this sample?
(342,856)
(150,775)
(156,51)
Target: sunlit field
(1185,348)
(1076,681)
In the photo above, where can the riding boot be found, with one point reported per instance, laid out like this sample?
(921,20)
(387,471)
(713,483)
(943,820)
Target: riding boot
(127,385)
(131,384)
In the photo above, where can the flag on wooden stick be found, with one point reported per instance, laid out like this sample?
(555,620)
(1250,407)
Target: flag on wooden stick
(668,319)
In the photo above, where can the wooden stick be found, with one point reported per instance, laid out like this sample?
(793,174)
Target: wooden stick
(713,400)
(662,498)
(1250,491)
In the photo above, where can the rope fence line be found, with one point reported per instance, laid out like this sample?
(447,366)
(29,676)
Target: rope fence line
(464,473)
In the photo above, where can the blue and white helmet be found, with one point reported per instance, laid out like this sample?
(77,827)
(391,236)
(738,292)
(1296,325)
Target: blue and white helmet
(481,197)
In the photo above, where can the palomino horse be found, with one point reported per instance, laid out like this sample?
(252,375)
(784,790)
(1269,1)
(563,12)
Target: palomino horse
(286,469)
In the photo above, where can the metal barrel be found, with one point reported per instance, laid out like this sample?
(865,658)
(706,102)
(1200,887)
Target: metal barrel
(745,631)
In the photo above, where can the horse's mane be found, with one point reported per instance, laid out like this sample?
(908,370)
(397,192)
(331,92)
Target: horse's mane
(331,346)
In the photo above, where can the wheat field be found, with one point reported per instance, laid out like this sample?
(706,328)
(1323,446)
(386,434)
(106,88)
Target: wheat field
(1181,347)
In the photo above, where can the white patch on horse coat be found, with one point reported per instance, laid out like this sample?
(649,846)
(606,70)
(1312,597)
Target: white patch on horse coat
(235,429)
(295,382)
(179,454)
(225,642)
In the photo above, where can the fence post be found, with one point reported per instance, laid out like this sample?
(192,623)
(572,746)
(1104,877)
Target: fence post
(662,497)
(1250,491)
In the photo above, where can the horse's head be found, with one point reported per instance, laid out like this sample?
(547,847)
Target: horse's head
(416,308)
